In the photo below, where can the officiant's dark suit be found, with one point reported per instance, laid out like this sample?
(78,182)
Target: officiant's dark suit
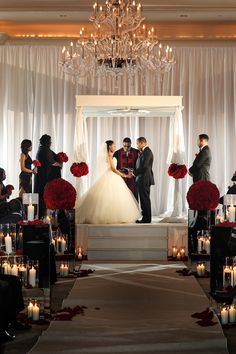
(201,164)
(144,179)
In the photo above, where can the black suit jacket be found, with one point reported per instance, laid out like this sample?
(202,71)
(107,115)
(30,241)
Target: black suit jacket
(143,171)
(201,165)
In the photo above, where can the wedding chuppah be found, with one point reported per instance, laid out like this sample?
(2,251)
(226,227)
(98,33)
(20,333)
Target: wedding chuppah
(104,240)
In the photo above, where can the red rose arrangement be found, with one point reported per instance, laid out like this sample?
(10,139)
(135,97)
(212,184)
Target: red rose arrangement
(62,157)
(33,222)
(203,195)
(79,169)
(36,163)
(177,171)
(59,194)
(10,188)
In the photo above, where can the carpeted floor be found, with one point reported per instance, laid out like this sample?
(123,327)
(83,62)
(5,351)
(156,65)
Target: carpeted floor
(134,308)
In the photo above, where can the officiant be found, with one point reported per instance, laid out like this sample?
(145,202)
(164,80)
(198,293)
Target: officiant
(126,161)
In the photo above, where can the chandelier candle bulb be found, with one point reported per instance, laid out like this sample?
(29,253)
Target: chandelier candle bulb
(224,314)
(232,314)
(231,213)
(35,312)
(32,277)
(8,243)
(30,309)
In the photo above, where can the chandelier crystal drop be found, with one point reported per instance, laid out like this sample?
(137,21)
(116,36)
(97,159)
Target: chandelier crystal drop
(120,44)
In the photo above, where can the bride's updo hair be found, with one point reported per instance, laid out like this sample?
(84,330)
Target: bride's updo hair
(109,143)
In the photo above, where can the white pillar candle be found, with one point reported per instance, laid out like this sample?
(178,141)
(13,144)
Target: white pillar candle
(32,277)
(66,270)
(35,312)
(30,309)
(30,212)
(234,271)
(62,270)
(224,316)
(207,246)
(8,244)
(63,245)
(58,245)
(228,276)
(231,213)
(182,252)
(178,256)
(174,251)
(199,244)
(14,270)
(7,268)
(232,314)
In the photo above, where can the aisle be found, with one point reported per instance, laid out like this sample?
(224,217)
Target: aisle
(134,308)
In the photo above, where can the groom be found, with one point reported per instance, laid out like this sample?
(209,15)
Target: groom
(144,178)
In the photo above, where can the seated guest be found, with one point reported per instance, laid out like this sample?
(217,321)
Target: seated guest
(231,189)
(13,213)
(4,209)
(11,304)
(4,192)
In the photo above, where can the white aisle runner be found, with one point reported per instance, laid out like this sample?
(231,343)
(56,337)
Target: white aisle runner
(134,308)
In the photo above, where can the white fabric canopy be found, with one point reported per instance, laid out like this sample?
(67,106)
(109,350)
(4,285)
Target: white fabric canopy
(151,106)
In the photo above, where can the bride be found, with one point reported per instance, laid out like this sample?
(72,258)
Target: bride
(109,200)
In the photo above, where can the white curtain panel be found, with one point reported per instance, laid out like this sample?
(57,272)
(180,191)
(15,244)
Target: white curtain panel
(37,98)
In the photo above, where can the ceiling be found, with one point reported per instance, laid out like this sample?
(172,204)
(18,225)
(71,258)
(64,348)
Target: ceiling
(174,18)
(154,10)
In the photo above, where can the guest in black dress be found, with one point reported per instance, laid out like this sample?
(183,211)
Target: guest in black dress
(25,177)
(50,169)
(4,192)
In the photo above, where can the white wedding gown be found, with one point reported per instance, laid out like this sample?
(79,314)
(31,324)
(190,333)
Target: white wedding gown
(108,201)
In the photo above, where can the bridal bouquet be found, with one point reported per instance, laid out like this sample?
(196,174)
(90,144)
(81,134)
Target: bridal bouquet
(36,163)
(203,195)
(59,194)
(79,169)
(62,157)
(177,171)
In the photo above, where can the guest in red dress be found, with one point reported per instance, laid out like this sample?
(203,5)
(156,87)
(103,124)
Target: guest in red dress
(126,161)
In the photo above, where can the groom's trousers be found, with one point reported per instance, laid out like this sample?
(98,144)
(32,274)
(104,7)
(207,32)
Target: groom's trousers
(144,196)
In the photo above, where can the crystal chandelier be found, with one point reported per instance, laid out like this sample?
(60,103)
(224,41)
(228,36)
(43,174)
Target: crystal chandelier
(120,44)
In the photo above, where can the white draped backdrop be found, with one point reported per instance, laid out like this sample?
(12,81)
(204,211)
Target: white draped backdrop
(36,98)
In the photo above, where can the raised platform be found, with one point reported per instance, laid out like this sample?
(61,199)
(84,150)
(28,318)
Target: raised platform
(131,242)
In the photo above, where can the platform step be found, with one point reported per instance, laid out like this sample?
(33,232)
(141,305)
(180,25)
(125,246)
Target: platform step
(129,242)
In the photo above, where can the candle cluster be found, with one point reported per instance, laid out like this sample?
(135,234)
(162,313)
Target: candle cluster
(178,253)
(201,269)
(228,315)
(64,270)
(229,272)
(33,310)
(27,271)
(203,242)
(60,243)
